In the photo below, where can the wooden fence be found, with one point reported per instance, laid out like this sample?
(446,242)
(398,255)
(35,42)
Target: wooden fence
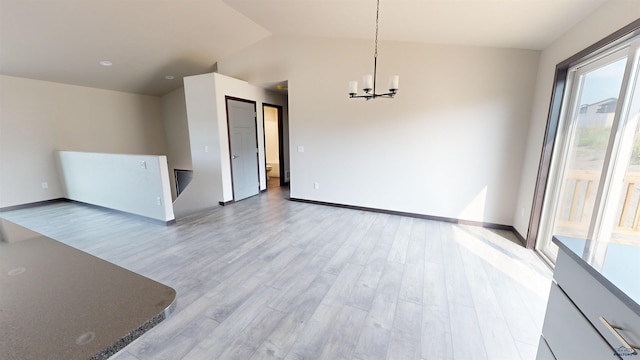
(577,205)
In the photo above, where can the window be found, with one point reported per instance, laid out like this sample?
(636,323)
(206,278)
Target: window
(591,183)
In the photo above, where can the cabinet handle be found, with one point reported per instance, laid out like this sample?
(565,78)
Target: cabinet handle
(615,332)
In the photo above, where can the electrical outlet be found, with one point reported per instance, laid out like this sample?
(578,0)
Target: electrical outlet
(159,201)
(45,185)
(316,186)
(143,164)
(206,148)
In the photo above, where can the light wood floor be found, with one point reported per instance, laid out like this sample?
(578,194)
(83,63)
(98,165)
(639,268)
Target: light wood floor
(268,278)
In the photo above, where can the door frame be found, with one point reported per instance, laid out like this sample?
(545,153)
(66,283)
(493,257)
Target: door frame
(281,170)
(255,125)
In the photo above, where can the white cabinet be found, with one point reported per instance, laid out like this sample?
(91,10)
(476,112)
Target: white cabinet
(587,316)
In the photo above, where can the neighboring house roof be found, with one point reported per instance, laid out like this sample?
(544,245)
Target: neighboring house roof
(604,106)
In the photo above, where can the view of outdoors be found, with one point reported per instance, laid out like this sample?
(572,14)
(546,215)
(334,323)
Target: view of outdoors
(628,215)
(586,157)
(627,226)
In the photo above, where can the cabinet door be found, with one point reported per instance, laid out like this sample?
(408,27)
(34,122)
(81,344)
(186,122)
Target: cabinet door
(544,353)
(569,334)
(595,300)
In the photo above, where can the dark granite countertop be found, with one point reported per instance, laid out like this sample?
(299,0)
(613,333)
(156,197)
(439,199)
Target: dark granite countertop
(57,302)
(616,266)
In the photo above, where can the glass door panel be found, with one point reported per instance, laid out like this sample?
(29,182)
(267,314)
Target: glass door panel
(621,221)
(627,227)
(584,139)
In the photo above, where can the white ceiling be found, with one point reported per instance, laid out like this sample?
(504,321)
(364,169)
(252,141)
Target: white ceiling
(64,40)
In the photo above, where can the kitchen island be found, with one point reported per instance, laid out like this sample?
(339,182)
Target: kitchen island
(593,310)
(57,302)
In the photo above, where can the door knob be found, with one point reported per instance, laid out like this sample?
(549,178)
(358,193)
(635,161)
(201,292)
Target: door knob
(234,156)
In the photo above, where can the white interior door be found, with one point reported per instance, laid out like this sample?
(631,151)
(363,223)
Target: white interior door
(243,143)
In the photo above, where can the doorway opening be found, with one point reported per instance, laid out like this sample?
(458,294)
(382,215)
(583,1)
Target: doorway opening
(275,144)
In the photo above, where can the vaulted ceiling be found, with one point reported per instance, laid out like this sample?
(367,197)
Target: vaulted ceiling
(148,40)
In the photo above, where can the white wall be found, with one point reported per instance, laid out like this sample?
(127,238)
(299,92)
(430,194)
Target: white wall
(176,132)
(450,144)
(205,190)
(207,122)
(137,184)
(39,117)
(612,16)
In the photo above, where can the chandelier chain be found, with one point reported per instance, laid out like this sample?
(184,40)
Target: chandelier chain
(375,54)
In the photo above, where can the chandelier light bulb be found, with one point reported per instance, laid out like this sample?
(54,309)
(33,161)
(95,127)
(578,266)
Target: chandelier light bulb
(393,83)
(353,87)
(367,83)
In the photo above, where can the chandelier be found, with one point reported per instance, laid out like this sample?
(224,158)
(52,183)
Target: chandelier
(369,81)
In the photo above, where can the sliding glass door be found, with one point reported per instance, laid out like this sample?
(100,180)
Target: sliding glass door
(621,218)
(594,181)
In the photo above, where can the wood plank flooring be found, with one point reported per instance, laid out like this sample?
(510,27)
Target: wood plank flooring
(268,278)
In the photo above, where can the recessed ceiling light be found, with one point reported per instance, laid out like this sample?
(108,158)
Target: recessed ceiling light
(169,77)
(106,63)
